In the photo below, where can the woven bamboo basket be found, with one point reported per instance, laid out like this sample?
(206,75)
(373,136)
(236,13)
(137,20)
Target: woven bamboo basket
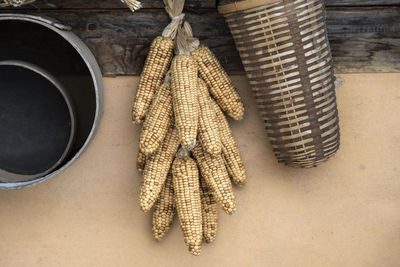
(285,52)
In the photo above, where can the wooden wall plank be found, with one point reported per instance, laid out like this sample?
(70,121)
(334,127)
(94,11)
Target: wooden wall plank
(353,3)
(111,4)
(363,39)
(117,4)
(335,3)
(366,52)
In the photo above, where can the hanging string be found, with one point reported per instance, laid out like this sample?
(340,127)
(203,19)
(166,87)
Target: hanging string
(185,42)
(132,4)
(174,9)
(15,3)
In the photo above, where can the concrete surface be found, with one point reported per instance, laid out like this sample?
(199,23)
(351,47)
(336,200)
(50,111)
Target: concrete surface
(343,213)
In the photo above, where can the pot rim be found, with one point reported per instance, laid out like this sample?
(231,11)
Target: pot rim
(15,177)
(95,72)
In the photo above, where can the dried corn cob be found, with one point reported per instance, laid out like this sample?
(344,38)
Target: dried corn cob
(218,82)
(213,170)
(158,120)
(188,204)
(230,149)
(209,212)
(184,96)
(164,210)
(154,70)
(208,125)
(156,170)
(140,161)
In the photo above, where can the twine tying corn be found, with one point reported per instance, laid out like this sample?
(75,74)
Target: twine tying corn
(164,210)
(188,203)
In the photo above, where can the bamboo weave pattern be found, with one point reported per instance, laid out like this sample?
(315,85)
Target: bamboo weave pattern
(286,55)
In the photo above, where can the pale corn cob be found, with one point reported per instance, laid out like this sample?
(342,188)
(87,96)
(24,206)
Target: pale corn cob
(164,210)
(158,120)
(208,125)
(156,170)
(218,82)
(230,149)
(209,212)
(140,161)
(184,95)
(188,203)
(154,70)
(213,170)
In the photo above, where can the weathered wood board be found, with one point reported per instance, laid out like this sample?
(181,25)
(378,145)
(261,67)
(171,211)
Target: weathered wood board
(363,39)
(117,4)
(112,4)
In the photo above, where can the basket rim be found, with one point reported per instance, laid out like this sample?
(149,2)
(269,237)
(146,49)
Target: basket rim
(242,5)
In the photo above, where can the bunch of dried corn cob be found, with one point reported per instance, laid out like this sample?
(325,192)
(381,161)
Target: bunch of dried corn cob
(176,109)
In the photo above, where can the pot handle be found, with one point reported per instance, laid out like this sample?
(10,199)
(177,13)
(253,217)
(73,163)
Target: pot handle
(41,19)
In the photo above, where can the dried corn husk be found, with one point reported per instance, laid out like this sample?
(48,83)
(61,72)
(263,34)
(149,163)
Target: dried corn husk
(132,4)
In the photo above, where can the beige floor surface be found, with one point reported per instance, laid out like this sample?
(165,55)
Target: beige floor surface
(343,213)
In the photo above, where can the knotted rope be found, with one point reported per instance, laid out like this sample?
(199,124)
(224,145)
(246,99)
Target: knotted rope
(15,3)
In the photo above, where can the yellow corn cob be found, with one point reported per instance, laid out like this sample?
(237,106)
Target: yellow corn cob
(218,82)
(158,120)
(140,161)
(213,170)
(230,149)
(188,203)
(154,70)
(208,125)
(164,210)
(184,96)
(156,170)
(209,212)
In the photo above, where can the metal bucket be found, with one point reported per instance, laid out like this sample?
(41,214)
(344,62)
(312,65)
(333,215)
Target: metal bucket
(45,48)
